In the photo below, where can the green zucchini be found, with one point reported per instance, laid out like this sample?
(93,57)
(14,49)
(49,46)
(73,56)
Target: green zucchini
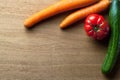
(113,47)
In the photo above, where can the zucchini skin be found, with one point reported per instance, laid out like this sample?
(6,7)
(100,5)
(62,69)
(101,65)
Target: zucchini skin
(113,47)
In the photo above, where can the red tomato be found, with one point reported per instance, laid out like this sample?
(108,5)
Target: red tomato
(96,26)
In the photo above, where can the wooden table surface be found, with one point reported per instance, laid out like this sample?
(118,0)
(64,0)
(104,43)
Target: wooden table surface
(46,52)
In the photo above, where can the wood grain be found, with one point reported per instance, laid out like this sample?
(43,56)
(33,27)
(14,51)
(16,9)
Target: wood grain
(46,52)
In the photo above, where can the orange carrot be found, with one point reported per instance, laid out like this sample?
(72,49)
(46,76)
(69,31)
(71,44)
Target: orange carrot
(82,13)
(54,9)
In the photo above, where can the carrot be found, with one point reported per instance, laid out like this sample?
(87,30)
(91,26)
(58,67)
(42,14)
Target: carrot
(54,9)
(82,13)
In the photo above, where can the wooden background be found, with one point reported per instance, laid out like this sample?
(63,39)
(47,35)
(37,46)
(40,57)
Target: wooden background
(46,52)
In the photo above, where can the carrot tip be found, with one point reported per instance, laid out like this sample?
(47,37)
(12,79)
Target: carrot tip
(62,26)
(26,24)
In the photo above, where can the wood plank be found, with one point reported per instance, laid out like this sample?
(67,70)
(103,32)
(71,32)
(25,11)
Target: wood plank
(46,52)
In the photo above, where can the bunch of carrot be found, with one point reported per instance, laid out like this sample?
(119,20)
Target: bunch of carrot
(91,6)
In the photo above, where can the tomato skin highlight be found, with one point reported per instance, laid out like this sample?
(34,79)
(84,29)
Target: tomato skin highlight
(96,26)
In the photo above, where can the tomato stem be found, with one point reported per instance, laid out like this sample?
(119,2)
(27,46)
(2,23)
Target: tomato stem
(95,28)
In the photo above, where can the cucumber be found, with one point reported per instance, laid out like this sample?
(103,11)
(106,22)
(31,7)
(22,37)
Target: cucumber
(114,42)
